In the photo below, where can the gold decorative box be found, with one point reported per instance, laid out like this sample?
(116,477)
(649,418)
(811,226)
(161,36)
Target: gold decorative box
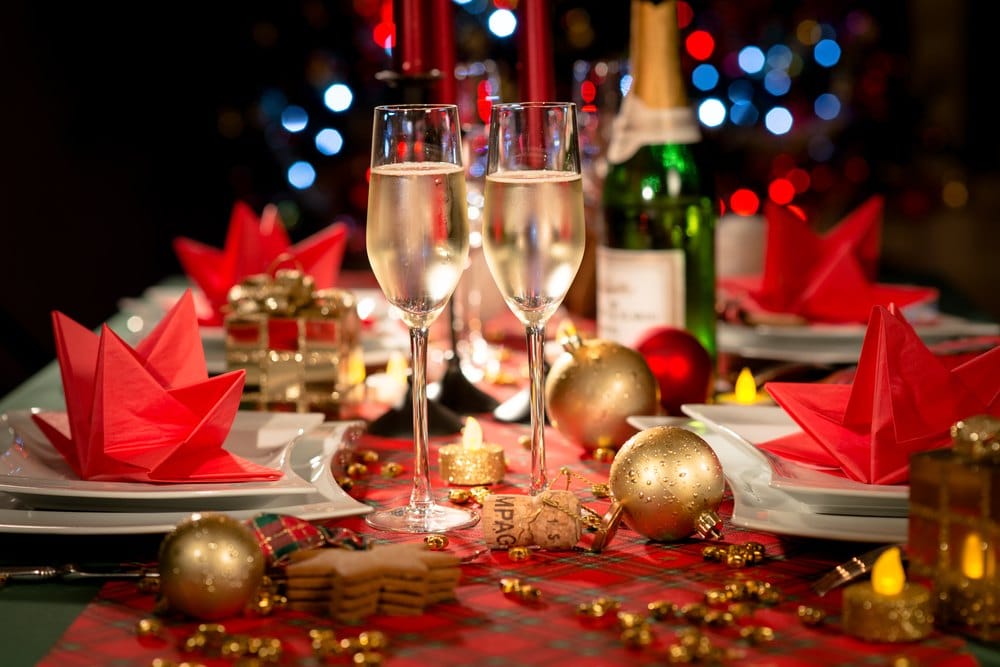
(300,347)
(954,527)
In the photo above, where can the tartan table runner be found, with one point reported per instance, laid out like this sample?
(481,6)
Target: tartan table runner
(483,627)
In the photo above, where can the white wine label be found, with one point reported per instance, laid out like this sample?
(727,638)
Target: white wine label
(637,290)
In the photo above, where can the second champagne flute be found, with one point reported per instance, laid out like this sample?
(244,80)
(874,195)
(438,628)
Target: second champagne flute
(533,230)
(418,243)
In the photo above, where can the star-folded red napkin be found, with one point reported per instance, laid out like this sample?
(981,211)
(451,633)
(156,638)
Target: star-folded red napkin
(148,414)
(903,400)
(252,246)
(827,277)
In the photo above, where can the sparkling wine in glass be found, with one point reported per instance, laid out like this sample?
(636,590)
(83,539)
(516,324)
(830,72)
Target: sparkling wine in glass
(418,244)
(533,229)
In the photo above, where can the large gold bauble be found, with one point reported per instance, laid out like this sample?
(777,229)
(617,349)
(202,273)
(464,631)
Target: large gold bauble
(211,566)
(667,480)
(594,387)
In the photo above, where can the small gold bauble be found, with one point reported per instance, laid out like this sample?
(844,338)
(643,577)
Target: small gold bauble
(666,479)
(594,387)
(210,566)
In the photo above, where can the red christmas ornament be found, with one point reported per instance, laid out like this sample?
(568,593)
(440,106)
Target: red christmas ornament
(681,365)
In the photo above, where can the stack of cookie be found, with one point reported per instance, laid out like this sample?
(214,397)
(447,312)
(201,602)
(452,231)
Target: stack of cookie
(390,579)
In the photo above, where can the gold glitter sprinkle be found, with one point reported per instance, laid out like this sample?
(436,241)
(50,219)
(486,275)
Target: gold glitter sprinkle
(436,542)
(391,469)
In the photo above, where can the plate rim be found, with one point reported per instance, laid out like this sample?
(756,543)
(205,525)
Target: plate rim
(331,502)
(146,492)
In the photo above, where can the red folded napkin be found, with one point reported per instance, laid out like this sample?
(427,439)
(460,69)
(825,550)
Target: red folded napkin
(252,246)
(149,414)
(822,278)
(903,400)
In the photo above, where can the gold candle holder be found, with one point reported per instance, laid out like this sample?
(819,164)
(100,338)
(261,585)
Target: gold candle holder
(887,608)
(954,527)
(472,462)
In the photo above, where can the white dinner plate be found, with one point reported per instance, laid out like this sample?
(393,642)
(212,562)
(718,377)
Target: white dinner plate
(310,458)
(759,506)
(33,471)
(832,343)
(828,493)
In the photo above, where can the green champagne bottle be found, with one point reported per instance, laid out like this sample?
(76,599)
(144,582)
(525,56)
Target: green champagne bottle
(656,262)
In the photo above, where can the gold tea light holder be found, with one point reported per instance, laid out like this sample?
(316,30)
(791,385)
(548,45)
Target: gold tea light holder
(954,527)
(471,462)
(300,347)
(888,608)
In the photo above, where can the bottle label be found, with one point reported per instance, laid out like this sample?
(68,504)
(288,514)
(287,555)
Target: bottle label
(637,290)
(638,125)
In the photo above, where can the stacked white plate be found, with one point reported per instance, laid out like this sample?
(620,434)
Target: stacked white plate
(782,496)
(39,492)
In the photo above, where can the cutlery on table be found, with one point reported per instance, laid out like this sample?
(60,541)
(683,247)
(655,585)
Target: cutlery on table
(850,570)
(70,572)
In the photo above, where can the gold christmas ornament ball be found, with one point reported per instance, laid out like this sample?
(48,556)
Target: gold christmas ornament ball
(210,566)
(668,481)
(594,387)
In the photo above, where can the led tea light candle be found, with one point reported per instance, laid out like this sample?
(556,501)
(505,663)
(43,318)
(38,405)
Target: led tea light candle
(887,608)
(472,462)
(744,392)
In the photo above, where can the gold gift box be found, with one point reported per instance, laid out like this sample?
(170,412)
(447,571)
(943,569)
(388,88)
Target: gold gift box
(954,527)
(300,347)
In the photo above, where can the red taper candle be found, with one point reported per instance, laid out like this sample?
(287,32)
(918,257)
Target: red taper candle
(537,71)
(445,89)
(411,33)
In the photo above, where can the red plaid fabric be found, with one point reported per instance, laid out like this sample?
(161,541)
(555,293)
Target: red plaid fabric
(485,627)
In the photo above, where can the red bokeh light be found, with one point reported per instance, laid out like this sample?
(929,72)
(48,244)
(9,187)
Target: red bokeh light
(797,211)
(744,202)
(588,91)
(384,35)
(684,14)
(781,191)
(700,45)
(799,179)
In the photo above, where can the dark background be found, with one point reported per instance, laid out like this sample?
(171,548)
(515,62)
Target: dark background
(126,125)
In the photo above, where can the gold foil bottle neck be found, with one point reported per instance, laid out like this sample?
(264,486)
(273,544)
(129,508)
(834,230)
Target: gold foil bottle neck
(654,55)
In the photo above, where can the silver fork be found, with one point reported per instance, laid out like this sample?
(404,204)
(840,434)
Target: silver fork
(850,570)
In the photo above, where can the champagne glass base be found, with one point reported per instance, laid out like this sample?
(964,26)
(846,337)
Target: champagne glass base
(433,518)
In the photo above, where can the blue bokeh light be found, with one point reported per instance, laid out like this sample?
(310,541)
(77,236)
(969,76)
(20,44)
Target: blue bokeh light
(827,106)
(743,114)
(502,23)
(826,52)
(329,141)
(712,112)
(777,82)
(778,120)
(338,97)
(705,77)
(301,175)
(751,59)
(294,118)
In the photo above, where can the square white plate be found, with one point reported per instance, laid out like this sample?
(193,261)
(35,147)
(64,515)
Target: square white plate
(759,506)
(33,471)
(833,343)
(823,491)
(310,459)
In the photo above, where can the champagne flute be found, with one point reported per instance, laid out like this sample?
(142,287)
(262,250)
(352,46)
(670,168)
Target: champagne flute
(533,229)
(418,243)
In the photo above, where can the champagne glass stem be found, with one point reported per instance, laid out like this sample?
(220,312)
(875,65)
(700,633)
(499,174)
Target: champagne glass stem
(536,341)
(420,497)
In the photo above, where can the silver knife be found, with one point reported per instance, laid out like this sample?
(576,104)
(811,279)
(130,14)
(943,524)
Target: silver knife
(70,572)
